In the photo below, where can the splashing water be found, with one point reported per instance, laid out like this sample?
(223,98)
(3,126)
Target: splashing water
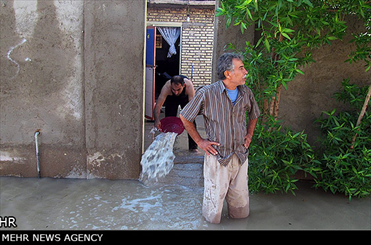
(158,159)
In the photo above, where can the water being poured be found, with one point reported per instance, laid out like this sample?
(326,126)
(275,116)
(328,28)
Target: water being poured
(158,160)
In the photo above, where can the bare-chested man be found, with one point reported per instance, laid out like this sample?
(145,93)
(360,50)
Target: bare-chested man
(177,91)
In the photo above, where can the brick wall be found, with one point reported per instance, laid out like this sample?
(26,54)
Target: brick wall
(196,38)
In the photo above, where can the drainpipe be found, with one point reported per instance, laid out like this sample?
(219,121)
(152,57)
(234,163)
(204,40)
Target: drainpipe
(37,153)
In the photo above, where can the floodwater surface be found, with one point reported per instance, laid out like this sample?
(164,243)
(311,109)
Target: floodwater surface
(129,205)
(99,204)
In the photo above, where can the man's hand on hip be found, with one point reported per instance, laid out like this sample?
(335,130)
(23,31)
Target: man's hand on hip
(207,146)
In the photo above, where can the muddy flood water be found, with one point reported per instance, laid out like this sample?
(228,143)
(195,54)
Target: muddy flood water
(99,204)
(174,203)
(49,204)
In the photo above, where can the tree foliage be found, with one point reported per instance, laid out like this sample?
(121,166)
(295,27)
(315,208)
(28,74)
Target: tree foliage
(289,31)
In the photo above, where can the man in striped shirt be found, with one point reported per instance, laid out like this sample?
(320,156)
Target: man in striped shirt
(223,105)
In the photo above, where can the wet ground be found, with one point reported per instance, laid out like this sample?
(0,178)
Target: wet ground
(173,203)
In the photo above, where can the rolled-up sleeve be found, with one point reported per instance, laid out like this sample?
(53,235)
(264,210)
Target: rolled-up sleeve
(194,107)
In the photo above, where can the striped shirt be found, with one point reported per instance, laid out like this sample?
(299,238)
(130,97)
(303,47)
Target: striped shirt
(225,123)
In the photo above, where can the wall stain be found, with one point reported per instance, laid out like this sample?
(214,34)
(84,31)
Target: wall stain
(51,62)
(8,40)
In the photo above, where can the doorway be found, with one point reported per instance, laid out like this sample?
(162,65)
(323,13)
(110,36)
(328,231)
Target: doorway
(160,66)
(166,67)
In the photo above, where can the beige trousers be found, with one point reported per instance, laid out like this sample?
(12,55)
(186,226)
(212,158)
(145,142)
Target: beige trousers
(228,182)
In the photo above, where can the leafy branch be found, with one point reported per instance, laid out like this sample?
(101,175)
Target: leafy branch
(289,31)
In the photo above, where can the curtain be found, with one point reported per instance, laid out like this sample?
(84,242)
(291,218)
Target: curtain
(170,34)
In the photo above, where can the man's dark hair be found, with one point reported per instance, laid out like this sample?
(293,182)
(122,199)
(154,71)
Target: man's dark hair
(225,63)
(177,80)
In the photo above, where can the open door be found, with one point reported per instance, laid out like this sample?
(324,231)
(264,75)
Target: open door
(150,72)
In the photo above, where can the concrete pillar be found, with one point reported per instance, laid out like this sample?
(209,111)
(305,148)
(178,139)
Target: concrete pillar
(114,46)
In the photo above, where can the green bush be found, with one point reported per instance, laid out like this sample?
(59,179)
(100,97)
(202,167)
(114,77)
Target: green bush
(343,168)
(276,155)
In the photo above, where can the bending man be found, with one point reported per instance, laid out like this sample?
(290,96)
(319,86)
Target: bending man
(177,91)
